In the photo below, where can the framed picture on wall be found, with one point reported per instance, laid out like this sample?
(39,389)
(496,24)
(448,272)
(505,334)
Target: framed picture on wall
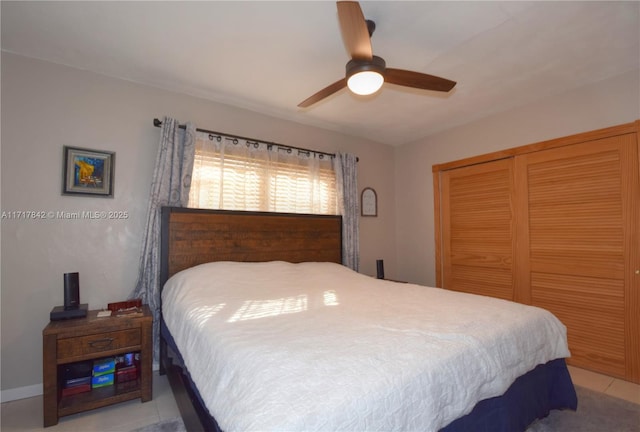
(88,172)
(369,202)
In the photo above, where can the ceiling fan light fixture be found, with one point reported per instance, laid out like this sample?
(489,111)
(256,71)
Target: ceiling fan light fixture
(365,77)
(365,72)
(365,83)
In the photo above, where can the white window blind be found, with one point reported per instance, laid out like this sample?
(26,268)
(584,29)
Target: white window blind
(234,174)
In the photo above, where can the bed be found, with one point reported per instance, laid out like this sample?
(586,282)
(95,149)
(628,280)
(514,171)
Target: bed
(263,329)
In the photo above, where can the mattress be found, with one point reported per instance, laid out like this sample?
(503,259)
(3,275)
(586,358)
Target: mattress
(316,346)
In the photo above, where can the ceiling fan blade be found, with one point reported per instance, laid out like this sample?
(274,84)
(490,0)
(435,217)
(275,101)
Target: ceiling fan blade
(354,30)
(417,80)
(325,92)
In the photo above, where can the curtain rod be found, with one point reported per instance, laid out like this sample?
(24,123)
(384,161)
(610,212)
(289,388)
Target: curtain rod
(158,123)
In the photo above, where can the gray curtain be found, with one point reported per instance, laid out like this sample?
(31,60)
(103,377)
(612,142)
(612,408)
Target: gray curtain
(170,187)
(347,183)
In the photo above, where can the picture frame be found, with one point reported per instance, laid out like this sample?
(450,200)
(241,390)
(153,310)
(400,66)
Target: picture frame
(88,172)
(369,202)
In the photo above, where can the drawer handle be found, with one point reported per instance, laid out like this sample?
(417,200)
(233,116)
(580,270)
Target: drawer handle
(101,343)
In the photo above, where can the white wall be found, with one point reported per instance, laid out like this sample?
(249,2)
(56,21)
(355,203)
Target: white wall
(46,106)
(607,103)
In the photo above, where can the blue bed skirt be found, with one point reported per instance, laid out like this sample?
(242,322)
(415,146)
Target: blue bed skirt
(531,396)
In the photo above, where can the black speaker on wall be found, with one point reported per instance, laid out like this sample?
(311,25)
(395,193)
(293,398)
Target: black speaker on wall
(71,291)
(380,269)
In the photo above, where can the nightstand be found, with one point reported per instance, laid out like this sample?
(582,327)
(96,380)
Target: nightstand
(90,338)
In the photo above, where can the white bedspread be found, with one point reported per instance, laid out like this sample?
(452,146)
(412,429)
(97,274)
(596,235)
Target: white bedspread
(317,347)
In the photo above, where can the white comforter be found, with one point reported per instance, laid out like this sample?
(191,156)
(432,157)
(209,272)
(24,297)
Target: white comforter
(317,347)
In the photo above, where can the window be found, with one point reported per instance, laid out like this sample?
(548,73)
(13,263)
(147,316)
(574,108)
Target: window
(234,174)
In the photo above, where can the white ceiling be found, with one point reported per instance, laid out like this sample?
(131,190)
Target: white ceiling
(269,56)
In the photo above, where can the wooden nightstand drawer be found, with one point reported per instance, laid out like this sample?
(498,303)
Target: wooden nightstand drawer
(96,343)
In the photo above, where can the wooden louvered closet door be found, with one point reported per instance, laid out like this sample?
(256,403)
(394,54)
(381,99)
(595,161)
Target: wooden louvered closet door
(577,224)
(554,224)
(477,229)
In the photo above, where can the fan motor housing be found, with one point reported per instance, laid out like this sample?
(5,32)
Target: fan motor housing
(376,64)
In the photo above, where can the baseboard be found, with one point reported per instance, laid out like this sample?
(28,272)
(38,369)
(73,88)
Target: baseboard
(21,393)
(33,390)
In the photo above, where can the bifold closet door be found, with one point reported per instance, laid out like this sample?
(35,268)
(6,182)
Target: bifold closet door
(478,228)
(578,247)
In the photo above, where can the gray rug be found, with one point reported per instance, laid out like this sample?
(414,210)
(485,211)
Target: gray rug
(171,425)
(596,412)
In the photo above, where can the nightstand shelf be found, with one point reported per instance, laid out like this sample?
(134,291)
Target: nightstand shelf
(91,338)
(99,397)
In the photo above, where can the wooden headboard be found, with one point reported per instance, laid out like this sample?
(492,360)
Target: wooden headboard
(196,236)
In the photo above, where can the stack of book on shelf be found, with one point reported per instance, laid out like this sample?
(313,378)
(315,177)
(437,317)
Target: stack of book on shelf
(127,367)
(76,377)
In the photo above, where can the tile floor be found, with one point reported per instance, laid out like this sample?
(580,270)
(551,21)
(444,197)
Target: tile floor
(26,414)
(605,384)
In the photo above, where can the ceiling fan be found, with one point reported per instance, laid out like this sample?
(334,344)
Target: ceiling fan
(365,73)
